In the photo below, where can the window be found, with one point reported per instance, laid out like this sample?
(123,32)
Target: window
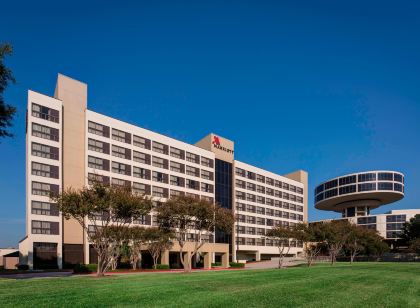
(331,184)
(250,197)
(193,184)
(260,221)
(141,157)
(398,178)
(176,193)
(177,153)
(121,136)
(98,163)
(44,151)
(299,190)
(269,201)
(207,175)
(141,173)
(240,195)
(382,176)
(277,184)
(347,180)
(240,183)
(143,220)
(366,177)
(269,181)
(177,181)
(160,177)
(260,178)
(160,192)
(98,146)
(44,170)
(270,191)
(396,218)
(347,189)
(96,178)
(98,129)
(177,167)
(160,162)
(160,148)
(366,220)
(193,158)
(207,187)
(261,189)
(120,183)
(331,193)
(44,208)
(121,168)
(45,132)
(45,113)
(45,227)
(260,200)
(385,186)
(251,186)
(367,187)
(240,172)
(251,175)
(141,142)
(207,162)
(193,171)
(121,152)
(240,206)
(44,189)
(141,189)
(398,187)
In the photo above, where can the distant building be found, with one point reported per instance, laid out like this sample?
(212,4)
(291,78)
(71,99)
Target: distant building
(355,195)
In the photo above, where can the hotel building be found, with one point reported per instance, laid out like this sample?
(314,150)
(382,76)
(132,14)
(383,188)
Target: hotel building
(68,145)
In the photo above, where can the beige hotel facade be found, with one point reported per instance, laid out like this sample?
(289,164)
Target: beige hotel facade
(67,145)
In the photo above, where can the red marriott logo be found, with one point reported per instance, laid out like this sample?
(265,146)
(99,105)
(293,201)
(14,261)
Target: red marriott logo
(217,145)
(216,140)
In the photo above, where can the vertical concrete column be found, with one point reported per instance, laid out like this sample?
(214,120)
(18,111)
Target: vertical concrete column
(207,260)
(225,260)
(257,256)
(164,259)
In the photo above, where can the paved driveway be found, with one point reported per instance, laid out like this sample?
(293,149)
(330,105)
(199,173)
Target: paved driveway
(37,275)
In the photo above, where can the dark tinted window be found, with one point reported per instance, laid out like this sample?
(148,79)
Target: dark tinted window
(382,176)
(347,180)
(385,186)
(365,177)
(367,186)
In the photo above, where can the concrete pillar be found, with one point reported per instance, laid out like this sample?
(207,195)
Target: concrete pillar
(257,256)
(164,259)
(207,260)
(225,260)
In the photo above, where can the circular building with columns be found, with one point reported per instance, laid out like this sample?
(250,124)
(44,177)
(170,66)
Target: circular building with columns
(357,193)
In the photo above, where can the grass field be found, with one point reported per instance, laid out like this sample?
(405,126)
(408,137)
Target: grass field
(343,285)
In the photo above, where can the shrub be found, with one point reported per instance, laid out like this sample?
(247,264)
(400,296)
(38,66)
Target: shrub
(124,265)
(236,265)
(93,268)
(162,266)
(84,268)
(216,264)
(22,267)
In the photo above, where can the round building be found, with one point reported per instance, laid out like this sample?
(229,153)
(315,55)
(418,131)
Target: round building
(357,193)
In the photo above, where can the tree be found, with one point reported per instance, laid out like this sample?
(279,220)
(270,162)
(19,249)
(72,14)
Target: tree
(334,235)
(103,212)
(282,237)
(157,242)
(309,235)
(136,237)
(6,111)
(359,239)
(411,229)
(415,245)
(184,215)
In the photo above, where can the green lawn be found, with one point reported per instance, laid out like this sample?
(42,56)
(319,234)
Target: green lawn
(343,285)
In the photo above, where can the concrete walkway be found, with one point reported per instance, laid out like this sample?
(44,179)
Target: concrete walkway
(274,263)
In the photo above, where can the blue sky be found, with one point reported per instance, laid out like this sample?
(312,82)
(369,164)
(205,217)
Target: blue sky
(331,87)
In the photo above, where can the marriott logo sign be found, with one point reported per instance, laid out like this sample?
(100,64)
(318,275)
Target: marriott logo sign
(217,145)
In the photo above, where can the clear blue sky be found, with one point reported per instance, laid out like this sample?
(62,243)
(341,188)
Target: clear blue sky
(331,87)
